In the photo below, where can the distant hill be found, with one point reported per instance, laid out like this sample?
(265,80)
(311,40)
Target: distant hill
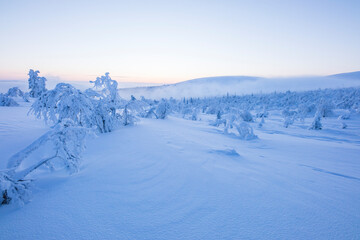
(349,75)
(222,85)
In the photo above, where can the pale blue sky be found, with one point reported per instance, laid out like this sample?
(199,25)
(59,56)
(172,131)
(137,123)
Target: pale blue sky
(170,41)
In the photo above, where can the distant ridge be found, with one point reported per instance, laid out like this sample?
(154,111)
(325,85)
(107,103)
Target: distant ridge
(217,79)
(348,75)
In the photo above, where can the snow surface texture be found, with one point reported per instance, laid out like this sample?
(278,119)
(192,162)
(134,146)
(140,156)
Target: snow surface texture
(183,179)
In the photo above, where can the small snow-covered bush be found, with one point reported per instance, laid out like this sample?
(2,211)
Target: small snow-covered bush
(344,116)
(127,118)
(246,116)
(245,131)
(15,92)
(13,191)
(150,113)
(194,115)
(36,84)
(7,101)
(261,123)
(325,109)
(288,120)
(316,124)
(162,110)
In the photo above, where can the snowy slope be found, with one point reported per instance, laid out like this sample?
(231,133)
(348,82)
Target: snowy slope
(180,179)
(220,86)
(350,75)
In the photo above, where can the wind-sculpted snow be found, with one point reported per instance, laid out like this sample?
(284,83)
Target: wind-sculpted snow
(181,179)
(281,165)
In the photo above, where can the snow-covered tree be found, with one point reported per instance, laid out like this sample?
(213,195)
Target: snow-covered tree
(64,102)
(66,141)
(127,118)
(106,101)
(36,84)
(162,110)
(316,123)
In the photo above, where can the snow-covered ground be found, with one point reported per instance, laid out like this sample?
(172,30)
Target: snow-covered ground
(182,179)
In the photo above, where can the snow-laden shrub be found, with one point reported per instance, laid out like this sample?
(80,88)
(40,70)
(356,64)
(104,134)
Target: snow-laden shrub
(149,113)
(64,102)
(262,121)
(194,115)
(107,88)
(288,120)
(288,113)
(127,118)
(218,115)
(325,108)
(246,116)
(67,141)
(36,84)
(13,191)
(305,110)
(137,107)
(15,92)
(229,123)
(316,123)
(263,113)
(245,131)
(7,101)
(106,101)
(162,110)
(344,116)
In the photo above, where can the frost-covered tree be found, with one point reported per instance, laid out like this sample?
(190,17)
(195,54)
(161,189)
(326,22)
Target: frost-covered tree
(107,88)
(106,101)
(66,141)
(36,84)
